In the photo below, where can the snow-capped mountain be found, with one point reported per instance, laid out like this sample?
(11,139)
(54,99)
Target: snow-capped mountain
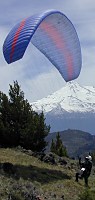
(73,107)
(70,98)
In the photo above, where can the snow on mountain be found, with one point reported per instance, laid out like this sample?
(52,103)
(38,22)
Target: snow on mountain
(71,98)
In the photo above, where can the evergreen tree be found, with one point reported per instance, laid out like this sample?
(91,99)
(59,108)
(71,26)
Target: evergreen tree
(19,124)
(57,147)
(58,142)
(42,132)
(19,111)
(53,146)
(4,120)
(35,133)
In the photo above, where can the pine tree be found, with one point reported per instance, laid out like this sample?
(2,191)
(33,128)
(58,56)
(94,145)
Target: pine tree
(4,120)
(33,136)
(42,132)
(53,146)
(19,124)
(57,147)
(58,142)
(19,111)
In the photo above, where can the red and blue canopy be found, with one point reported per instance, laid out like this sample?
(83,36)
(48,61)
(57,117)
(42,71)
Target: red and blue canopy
(54,35)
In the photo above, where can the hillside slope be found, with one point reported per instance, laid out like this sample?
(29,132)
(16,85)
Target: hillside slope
(34,178)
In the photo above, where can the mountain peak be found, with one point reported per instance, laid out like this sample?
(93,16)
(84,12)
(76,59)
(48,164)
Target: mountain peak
(71,98)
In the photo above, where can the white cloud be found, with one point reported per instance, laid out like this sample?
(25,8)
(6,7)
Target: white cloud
(34,80)
(44,84)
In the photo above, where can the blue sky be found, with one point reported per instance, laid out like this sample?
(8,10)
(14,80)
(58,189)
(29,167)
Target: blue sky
(36,75)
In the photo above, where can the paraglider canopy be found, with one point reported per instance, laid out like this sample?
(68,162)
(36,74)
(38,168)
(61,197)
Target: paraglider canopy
(54,35)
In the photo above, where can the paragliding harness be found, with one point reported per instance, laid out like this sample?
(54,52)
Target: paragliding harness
(85,170)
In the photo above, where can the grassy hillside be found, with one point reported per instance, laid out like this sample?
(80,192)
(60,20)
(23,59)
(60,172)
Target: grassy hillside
(30,177)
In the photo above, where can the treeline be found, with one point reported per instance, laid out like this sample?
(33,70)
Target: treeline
(19,124)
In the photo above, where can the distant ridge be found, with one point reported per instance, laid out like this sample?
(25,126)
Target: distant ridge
(78,143)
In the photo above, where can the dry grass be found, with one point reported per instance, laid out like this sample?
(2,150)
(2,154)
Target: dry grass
(52,181)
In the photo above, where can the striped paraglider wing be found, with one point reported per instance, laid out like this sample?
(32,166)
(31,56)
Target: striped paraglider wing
(54,35)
